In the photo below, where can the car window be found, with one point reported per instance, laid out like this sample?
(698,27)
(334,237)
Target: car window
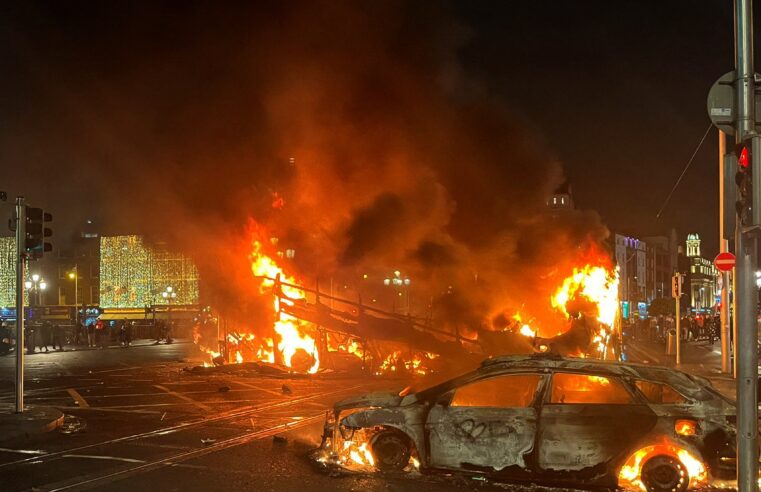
(660,393)
(509,391)
(585,389)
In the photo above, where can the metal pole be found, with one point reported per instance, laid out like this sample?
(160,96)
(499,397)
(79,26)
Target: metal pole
(747,331)
(76,293)
(723,247)
(20,274)
(678,330)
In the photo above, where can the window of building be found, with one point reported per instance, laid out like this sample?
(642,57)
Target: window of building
(511,391)
(587,390)
(660,393)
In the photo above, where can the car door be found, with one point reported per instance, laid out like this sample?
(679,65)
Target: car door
(588,422)
(487,424)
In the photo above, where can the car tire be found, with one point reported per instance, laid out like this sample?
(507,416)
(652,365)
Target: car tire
(665,474)
(391,449)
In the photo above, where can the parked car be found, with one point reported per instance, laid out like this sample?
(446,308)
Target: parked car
(554,421)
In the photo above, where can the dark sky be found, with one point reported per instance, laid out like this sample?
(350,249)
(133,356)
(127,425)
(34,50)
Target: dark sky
(615,90)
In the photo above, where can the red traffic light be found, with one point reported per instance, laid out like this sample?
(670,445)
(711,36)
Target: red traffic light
(743,158)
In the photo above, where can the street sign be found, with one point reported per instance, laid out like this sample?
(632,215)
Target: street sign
(722,107)
(724,261)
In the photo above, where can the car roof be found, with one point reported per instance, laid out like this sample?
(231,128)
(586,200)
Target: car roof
(682,382)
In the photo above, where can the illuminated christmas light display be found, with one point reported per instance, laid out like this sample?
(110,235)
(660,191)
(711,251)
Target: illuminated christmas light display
(134,275)
(7,271)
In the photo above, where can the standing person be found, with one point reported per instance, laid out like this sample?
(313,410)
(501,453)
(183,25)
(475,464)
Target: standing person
(128,333)
(90,334)
(123,332)
(100,335)
(56,336)
(159,330)
(44,335)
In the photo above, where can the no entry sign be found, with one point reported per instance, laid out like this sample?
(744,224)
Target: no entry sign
(724,261)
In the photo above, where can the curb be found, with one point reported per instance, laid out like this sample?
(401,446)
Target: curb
(34,421)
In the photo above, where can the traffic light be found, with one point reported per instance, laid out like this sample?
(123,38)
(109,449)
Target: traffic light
(676,286)
(36,232)
(743,178)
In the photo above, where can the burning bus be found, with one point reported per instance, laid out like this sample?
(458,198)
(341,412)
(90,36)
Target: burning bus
(546,419)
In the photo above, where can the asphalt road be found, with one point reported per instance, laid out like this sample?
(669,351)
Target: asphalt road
(152,425)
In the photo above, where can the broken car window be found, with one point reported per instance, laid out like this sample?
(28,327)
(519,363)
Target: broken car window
(584,389)
(509,391)
(660,393)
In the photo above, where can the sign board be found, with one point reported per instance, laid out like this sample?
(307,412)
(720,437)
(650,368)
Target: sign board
(721,104)
(724,261)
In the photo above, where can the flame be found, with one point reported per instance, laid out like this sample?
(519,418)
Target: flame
(414,364)
(527,331)
(631,472)
(594,283)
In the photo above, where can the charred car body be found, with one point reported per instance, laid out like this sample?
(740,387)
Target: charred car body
(549,420)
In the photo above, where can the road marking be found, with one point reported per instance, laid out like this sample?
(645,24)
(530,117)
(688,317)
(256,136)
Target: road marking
(96,457)
(183,397)
(266,390)
(78,398)
(23,451)
(109,409)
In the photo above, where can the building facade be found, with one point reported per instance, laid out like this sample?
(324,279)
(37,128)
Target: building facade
(702,278)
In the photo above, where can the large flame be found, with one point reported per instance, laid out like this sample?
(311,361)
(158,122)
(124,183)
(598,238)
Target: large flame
(597,285)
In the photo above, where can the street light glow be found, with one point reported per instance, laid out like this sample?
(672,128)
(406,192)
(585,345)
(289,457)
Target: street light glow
(28,284)
(35,277)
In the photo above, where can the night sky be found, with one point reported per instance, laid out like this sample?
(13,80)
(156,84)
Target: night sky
(615,90)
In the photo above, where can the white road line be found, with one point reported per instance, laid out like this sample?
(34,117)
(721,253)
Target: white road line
(23,451)
(266,390)
(96,457)
(183,397)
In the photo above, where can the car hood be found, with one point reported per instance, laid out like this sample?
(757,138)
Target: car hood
(378,399)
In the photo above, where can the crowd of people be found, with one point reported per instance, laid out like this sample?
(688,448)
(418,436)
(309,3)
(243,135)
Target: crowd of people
(693,327)
(47,336)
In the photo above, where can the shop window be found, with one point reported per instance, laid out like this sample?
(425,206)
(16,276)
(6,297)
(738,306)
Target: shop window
(587,390)
(511,391)
(660,393)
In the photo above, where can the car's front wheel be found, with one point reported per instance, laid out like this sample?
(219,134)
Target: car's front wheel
(665,474)
(391,450)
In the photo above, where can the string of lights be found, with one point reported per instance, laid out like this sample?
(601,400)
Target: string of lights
(134,275)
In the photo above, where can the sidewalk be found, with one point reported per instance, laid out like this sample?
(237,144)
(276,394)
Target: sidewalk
(698,358)
(143,342)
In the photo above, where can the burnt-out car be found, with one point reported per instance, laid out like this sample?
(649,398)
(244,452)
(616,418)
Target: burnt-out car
(548,420)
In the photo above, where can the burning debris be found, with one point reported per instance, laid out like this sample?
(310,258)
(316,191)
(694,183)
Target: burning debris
(303,334)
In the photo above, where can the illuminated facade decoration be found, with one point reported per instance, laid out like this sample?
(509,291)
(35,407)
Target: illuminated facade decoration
(133,275)
(7,271)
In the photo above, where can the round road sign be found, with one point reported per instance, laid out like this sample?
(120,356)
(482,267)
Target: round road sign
(724,261)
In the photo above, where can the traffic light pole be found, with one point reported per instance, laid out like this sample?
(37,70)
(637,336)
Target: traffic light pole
(746,239)
(20,274)
(723,248)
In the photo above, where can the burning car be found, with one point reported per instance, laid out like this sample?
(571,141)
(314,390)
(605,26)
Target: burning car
(550,420)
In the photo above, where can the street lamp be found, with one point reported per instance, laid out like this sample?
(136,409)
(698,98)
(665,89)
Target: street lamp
(397,280)
(170,295)
(37,285)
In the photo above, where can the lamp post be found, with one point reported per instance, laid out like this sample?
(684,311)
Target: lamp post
(170,295)
(37,285)
(74,275)
(398,281)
